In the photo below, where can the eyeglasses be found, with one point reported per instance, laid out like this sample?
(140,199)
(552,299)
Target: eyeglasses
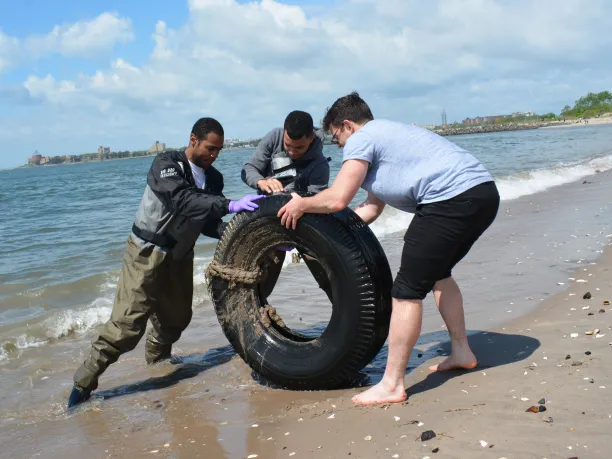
(334,138)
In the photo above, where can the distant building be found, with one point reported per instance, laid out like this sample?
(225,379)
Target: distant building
(443,117)
(35,159)
(494,118)
(44,160)
(484,119)
(103,152)
(157,147)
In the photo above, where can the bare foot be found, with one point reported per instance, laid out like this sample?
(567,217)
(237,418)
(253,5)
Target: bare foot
(380,394)
(460,361)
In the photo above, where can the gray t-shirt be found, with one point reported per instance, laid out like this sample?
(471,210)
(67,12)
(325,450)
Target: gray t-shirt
(410,165)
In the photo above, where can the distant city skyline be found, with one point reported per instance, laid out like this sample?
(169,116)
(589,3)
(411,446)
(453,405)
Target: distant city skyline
(120,73)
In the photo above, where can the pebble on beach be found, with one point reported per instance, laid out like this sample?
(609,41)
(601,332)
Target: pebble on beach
(428,435)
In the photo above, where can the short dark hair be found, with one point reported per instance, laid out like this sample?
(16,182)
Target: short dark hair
(205,126)
(350,107)
(299,124)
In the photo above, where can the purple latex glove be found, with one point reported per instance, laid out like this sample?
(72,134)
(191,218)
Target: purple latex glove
(245,203)
(285,248)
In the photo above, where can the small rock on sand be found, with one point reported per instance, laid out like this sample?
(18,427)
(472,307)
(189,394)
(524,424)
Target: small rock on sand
(428,435)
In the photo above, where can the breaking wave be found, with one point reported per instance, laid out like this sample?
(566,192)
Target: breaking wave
(535,181)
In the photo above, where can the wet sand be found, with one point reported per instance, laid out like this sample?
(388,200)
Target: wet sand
(212,406)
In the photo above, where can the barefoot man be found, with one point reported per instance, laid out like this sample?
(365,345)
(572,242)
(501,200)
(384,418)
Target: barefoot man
(454,200)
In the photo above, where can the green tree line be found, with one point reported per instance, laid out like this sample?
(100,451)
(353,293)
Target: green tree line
(591,105)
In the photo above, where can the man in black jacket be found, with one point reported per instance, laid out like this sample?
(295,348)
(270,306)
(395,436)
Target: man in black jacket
(183,198)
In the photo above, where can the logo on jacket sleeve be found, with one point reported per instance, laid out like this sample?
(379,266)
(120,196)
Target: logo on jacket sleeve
(168,172)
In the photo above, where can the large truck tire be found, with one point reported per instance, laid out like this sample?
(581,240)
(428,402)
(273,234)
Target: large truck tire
(360,277)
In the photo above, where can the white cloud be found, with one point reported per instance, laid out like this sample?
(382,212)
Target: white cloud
(80,39)
(248,64)
(83,38)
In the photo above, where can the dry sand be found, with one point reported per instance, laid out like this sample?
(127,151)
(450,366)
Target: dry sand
(575,123)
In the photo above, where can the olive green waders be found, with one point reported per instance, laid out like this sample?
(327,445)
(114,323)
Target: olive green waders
(152,285)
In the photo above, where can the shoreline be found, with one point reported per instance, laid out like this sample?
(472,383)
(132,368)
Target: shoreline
(580,123)
(445,132)
(510,127)
(34,166)
(211,406)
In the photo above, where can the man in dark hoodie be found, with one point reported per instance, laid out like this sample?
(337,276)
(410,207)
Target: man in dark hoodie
(289,159)
(183,198)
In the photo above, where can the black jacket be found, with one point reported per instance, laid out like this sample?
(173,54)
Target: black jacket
(173,212)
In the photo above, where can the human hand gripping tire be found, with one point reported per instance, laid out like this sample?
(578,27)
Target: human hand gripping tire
(291,212)
(245,203)
(270,186)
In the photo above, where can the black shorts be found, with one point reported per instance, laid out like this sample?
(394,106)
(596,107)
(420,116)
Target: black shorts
(439,236)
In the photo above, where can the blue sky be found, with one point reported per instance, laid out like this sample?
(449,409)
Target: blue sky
(124,74)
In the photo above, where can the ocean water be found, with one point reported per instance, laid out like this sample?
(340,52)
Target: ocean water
(63,228)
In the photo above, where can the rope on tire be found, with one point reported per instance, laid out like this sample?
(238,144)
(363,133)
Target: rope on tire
(232,274)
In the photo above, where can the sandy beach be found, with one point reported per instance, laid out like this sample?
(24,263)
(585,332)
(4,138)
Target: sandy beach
(589,122)
(546,360)
(524,284)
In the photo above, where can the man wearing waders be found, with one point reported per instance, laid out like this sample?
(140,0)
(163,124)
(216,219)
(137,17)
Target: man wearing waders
(183,198)
(289,159)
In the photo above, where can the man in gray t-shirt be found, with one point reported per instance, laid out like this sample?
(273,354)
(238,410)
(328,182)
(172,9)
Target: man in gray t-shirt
(287,156)
(454,200)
